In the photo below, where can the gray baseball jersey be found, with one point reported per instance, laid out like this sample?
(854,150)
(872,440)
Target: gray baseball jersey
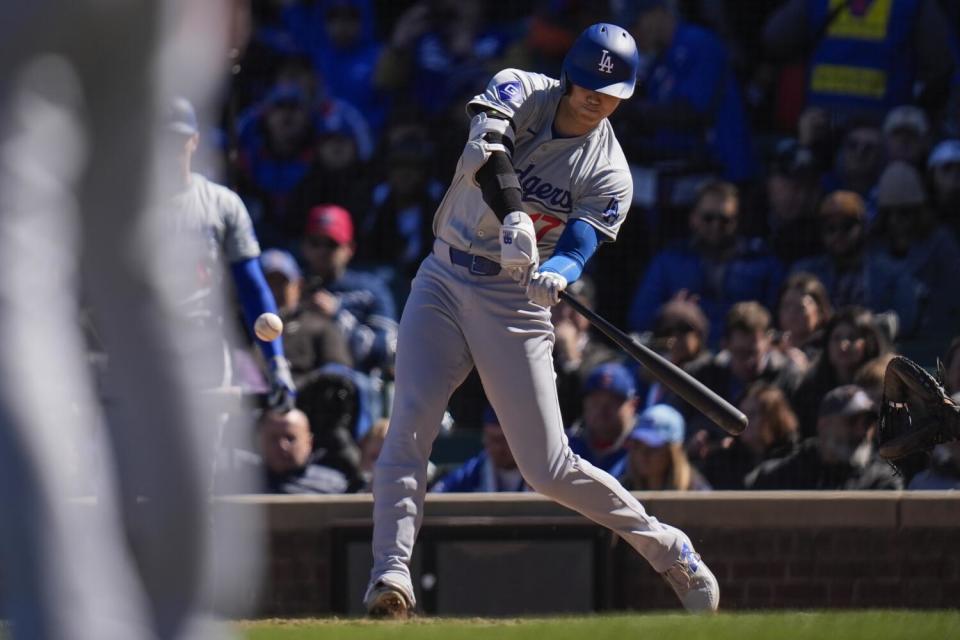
(457,318)
(215,216)
(561,179)
(213,209)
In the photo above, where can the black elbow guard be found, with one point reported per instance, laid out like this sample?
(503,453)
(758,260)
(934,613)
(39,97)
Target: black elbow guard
(499,185)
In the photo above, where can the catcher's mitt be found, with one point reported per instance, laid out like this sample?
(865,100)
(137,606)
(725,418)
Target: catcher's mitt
(916,413)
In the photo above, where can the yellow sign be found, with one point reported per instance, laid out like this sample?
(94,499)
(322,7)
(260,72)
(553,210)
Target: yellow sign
(849,81)
(872,25)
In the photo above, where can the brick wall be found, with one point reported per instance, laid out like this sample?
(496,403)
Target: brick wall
(841,567)
(768,550)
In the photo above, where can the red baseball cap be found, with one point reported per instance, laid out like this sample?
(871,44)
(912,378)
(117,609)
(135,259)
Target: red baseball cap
(330,221)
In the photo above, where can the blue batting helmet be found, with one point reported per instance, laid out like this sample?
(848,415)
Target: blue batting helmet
(604,59)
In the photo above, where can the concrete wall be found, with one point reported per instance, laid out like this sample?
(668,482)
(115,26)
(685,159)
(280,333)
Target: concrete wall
(509,554)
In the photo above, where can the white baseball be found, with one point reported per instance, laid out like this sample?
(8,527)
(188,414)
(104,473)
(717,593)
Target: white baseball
(268,326)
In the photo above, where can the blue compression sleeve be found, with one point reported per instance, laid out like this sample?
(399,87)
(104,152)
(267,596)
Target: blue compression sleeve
(576,244)
(256,298)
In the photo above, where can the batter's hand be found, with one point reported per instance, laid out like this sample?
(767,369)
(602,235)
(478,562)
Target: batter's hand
(283,392)
(545,287)
(518,247)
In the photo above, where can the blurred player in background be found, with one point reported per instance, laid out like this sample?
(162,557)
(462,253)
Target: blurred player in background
(220,217)
(80,86)
(541,174)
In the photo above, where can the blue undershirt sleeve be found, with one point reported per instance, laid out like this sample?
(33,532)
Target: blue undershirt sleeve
(255,298)
(574,247)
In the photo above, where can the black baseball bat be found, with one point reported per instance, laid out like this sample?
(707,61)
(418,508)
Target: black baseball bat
(724,414)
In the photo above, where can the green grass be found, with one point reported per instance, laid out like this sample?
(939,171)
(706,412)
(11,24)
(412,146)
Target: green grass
(779,625)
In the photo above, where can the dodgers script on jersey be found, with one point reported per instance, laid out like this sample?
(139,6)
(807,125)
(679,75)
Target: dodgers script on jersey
(561,178)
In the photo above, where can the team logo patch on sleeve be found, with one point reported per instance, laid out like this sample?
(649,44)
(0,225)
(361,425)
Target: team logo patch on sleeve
(612,212)
(509,92)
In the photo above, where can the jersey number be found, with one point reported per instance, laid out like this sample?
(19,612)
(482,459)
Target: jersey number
(547,223)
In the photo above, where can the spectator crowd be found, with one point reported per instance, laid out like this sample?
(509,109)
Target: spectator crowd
(795,223)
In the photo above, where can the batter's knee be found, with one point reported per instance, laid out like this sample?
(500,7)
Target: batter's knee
(403,448)
(548,477)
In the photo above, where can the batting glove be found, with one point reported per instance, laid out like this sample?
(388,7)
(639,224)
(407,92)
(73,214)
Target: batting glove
(283,393)
(518,247)
(545,287)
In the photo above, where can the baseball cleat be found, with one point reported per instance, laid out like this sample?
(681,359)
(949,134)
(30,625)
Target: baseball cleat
(693,582)
(388,603)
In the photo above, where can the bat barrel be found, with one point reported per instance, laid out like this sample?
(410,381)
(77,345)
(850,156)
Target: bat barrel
(704,399)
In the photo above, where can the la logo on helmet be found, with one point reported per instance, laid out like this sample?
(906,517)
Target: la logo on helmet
(606,63)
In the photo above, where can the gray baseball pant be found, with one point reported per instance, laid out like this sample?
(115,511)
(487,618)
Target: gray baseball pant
(454,320)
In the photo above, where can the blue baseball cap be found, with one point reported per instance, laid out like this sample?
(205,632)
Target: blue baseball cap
(181,117)
(947,152)
(658,426)
(280,261)
(612,377)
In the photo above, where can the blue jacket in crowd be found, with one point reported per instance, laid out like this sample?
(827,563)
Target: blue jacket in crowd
(476,474)
(696,69)
(612,460)
(751,273)
(347,73)
(368,317)
(885,287)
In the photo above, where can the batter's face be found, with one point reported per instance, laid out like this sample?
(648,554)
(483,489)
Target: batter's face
(584,109)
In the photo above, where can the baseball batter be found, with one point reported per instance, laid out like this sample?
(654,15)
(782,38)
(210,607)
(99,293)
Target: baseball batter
(541,176)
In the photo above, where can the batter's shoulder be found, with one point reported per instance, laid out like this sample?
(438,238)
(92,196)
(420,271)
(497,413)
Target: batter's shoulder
(530,79)
(604,167)
(515,91)
(611,150)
